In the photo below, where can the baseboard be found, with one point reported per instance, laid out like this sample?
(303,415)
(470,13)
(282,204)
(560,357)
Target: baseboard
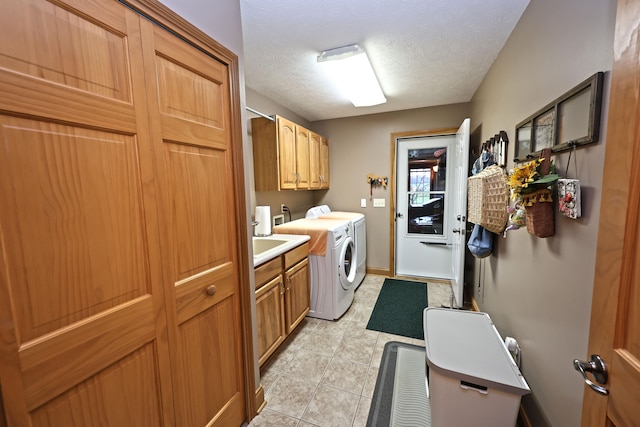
(523,419)
(260,402)
(473,306)
(378,271)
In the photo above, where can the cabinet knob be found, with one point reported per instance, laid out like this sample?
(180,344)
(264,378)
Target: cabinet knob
(211,290)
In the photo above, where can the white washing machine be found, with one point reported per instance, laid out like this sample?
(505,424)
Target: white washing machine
(332,264)
(357,231)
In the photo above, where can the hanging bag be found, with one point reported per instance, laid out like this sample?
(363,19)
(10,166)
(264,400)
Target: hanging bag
(480,242)
(569,201)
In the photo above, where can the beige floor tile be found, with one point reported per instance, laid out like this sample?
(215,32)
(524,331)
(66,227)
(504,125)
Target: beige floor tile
(268,418)
(290,396)
(370,382)
(385,338)
(356,349)
(345,375)
(308,365)
(279,360)
(417,342)
(331,408)
(268,377)
(324,375)
(439,294)
(333,327)
(324,342)
(362,412)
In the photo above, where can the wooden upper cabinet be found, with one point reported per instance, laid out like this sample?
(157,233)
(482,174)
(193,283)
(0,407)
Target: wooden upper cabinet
(286,149)
(286,156)
(315,141)
(325,181)
(302,158)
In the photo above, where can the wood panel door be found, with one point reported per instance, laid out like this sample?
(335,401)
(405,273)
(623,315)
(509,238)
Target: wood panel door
(615,314)
(192,108)
(297,294)
(82,319)
(287,154)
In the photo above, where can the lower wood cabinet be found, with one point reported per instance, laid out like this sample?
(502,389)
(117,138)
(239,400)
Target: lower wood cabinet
(297,294)
(283,295)
(270,317)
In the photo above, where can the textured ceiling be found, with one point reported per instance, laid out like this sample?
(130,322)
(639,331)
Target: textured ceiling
(424,52)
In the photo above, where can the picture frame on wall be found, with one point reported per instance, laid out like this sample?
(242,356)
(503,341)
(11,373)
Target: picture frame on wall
(544,130)
(572,119)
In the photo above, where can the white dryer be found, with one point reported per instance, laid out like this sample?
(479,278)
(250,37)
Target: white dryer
(357,231)
(332,264)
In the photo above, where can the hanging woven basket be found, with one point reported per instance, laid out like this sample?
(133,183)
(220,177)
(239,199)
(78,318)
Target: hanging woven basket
(540,213)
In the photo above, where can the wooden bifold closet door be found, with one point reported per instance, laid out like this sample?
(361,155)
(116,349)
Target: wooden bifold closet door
(119,277)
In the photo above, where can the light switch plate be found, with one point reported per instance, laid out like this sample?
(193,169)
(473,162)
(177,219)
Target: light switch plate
(378,203)
(363,203)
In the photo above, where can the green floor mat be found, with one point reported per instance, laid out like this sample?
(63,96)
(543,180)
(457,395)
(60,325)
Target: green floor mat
(399,308)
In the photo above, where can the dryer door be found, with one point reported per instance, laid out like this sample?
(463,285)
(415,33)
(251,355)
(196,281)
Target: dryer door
(347,264)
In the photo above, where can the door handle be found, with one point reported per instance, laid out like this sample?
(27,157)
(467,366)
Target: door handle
(435,243)
(457,230)
(598,369)
(399,215)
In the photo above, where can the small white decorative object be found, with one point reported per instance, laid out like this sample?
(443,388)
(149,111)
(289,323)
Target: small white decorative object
(569,198)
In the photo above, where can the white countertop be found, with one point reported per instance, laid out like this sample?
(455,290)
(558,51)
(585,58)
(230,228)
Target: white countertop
(292,240)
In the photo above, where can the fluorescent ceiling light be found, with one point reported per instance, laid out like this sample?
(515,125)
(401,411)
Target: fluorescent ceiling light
(350,68)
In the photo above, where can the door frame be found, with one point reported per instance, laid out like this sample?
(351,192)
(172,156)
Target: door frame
(392,185)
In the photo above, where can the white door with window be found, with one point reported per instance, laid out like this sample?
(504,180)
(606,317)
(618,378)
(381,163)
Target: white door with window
(429,237)
(460,211)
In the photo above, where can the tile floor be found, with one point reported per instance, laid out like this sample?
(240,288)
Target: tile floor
(325,373)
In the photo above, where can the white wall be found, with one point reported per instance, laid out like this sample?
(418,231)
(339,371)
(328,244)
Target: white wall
(539,290)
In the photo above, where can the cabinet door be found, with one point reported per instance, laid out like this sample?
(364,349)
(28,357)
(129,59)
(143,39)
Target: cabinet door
(297,294)
(315,141)
(270,317)
(81,300)
(324,164)
(302,157)
(190,107)
(287,154)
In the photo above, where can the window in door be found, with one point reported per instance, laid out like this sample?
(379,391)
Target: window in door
(426,185)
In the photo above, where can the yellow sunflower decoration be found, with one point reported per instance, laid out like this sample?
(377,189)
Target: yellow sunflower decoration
(527,178)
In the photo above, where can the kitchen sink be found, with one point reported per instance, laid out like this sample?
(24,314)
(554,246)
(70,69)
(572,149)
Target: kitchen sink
(265,244)
(269,247)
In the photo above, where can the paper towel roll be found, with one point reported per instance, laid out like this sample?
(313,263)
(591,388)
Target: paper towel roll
(263,216)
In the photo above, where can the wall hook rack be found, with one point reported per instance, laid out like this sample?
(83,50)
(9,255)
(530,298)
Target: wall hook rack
(376,181)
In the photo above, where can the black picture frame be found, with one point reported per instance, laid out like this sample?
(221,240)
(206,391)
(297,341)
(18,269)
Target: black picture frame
(572,119)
